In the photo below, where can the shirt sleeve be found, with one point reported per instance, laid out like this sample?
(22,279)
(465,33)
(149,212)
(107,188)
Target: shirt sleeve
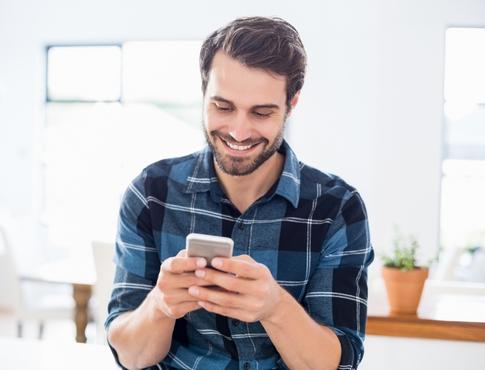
(137,259)
(136,251)
(336,294)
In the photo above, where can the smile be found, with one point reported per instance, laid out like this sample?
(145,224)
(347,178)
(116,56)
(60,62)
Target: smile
(240,148)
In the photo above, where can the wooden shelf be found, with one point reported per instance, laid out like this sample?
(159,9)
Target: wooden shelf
(415,327)
(441,316)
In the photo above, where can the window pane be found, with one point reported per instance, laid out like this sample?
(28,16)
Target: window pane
(465,135)
(465,61)
(463,202)
(463,181)
(92,152)
(162,71)
(84,73)
(465,93)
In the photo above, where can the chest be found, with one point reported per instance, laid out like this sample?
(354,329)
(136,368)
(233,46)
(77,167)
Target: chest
(287,240)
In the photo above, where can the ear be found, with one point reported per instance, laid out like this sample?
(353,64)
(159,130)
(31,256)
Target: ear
(294,101)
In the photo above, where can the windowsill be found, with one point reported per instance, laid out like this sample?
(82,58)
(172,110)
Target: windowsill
(448,310)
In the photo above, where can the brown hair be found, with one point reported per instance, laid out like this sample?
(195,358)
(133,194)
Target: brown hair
(259,42)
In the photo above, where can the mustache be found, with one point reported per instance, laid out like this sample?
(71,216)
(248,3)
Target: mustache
(230,140)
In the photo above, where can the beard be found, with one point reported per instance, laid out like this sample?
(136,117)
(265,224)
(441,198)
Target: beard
(242,166)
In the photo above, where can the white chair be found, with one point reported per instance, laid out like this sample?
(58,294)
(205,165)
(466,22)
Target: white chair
(10,299)
(16,304)
(105,272)
(446,267)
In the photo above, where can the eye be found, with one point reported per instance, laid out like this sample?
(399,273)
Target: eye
(223,108)
(261,114)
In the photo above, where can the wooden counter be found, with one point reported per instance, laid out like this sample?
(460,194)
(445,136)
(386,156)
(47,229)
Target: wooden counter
(440,316)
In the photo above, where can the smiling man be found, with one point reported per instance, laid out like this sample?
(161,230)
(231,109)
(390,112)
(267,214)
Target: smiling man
(295,293)
(244,114)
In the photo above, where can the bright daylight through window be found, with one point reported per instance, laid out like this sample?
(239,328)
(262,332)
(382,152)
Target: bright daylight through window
(463,181)
(110,111)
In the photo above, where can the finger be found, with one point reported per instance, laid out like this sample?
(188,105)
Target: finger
(188,307)
(168,280)
(181,310)
(244,257)
(221,298)
(187,280)
(177,297)
(239,266)
(233,313)
(226,280)
(179,265)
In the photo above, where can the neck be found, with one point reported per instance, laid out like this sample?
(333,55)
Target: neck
(243,191)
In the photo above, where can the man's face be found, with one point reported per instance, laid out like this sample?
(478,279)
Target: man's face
(244,115)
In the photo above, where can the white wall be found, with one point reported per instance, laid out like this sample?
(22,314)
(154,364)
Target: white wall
(383,353)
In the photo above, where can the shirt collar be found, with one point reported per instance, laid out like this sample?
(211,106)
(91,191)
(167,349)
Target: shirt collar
(203,177)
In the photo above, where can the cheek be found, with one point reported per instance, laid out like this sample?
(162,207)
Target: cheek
(270,130)
(214,121)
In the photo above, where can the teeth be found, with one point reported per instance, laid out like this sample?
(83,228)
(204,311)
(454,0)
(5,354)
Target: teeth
(237,147)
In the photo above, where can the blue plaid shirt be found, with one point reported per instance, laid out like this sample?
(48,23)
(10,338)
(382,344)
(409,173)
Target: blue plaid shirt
(310,230)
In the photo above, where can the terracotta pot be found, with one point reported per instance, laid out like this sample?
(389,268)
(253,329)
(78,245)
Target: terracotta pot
(404,288)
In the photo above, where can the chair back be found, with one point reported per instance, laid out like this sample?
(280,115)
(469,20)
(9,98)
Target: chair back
(10,293)
(105,271)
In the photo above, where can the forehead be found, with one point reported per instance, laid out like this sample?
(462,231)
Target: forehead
(243,85)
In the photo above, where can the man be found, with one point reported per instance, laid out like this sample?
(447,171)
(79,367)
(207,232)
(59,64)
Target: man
(294,295)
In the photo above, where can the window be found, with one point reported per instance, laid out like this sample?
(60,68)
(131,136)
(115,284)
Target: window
(463,168)
(84,73)
(110,111)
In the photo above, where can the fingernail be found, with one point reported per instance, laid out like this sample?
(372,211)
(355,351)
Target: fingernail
(201,262)
(193,290)
(200,273)
(216,262)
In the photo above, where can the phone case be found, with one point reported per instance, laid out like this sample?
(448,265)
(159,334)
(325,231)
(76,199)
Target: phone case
(208,246)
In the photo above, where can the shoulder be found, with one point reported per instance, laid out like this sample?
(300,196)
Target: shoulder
(164,167)
(316,184)
(158,174)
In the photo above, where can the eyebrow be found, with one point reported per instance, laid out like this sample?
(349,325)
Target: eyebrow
(259,106)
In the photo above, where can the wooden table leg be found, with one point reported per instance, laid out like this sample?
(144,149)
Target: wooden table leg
(82,294)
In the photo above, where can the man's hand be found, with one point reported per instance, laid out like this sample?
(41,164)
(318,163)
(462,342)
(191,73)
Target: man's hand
(176,275)
(251,293)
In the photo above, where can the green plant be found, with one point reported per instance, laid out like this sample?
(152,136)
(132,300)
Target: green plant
(403,256)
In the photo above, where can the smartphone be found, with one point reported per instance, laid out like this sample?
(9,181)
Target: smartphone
(208,246)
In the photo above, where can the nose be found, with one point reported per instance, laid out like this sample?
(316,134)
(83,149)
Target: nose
(240,129)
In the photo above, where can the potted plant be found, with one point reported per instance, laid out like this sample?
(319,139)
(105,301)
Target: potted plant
(403,278)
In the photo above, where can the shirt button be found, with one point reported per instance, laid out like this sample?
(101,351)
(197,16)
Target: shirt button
(235,322)
(241,225)
(247,366)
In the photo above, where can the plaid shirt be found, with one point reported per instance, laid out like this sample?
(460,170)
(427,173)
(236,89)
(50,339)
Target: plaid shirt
(310,230)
